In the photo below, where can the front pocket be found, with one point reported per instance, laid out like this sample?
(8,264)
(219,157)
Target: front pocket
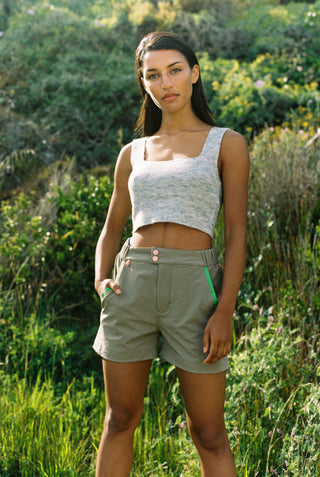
(118,267)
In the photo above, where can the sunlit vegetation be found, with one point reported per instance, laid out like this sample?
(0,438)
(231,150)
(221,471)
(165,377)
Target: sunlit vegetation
(68,102)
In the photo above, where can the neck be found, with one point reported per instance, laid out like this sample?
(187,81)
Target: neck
(175,123)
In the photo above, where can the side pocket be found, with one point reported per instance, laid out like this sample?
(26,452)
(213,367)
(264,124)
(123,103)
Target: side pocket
(215,282)
(117,269)
(210,283)
(103,294)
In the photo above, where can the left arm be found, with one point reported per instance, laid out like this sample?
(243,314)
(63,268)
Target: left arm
(235,165)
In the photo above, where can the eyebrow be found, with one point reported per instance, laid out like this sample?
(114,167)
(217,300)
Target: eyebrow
(169,66)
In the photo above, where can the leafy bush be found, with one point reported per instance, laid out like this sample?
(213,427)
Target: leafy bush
(59,100)
(248,98)
(47,265)
(71,93)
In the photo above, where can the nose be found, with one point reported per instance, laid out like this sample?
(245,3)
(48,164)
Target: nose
(166,81)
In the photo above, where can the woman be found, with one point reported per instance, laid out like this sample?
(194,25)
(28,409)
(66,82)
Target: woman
(166,277)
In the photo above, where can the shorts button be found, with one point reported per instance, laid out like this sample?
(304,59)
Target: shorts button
(155,258)
(155,252)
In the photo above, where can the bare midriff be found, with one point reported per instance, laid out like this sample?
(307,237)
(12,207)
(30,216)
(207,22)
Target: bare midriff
(171,235)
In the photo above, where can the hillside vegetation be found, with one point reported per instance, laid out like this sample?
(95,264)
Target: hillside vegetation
(68,103)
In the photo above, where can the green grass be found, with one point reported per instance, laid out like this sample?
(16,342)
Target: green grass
(43,434)
(272,414)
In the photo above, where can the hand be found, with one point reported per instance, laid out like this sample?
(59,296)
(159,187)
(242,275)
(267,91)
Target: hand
(217,337)
(101,285)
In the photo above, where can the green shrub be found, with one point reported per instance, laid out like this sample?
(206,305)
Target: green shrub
(72,94)
(68,83)
(47,298)
(248,98)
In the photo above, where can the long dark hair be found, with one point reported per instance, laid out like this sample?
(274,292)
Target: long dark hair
(150,117)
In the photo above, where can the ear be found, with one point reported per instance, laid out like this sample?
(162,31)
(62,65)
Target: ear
(195,73)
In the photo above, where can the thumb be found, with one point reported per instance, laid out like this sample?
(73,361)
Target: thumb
(115,287)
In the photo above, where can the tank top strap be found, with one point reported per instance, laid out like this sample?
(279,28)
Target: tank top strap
(212,146)
(137,150)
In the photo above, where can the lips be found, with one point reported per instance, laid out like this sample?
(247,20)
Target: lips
(169,97)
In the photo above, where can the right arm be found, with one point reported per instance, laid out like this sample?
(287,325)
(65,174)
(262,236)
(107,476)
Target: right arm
(118,213)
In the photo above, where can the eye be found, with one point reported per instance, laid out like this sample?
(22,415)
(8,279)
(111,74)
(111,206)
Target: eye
(175,70)
(153,76)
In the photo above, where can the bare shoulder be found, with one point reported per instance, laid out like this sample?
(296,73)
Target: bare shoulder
(234,149)
(124,158)
(123,165)
(233,141)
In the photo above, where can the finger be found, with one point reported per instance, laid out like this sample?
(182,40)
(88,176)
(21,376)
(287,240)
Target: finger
(205,341)
(213,352)
(221,352)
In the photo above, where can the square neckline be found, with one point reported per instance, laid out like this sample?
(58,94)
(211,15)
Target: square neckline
(181,158)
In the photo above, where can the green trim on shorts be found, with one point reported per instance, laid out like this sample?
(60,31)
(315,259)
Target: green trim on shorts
(213,293)
(105,291)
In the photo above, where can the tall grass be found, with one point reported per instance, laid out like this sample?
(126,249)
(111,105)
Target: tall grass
(283,204)
(272,414)
(44,434)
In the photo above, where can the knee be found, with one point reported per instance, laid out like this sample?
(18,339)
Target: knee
(211,438)
(122,419)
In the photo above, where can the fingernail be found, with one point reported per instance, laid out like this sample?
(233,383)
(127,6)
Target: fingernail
(118,292)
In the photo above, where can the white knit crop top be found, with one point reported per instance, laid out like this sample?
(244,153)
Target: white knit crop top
(184,191)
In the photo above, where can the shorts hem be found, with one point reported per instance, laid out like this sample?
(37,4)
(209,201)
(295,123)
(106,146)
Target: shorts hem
(191,367)
(109,356)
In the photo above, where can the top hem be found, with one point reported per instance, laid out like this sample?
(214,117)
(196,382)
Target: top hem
(153,222)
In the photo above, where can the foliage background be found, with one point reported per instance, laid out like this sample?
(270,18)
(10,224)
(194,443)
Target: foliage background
(68,102)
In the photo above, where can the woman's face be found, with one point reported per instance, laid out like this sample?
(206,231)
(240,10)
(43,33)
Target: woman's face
(168,78)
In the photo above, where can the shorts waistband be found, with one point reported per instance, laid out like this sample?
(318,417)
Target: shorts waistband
(157,255)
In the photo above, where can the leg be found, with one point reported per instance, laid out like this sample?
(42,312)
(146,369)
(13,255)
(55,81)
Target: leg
(125,385)
(204,399)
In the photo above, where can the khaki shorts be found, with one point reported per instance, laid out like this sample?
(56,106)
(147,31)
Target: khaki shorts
(167,294)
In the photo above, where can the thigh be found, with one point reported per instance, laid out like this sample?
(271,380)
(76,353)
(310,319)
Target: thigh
(204,396)
(125,384)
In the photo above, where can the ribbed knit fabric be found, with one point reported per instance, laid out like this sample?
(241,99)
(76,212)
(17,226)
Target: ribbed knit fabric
(184,191)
